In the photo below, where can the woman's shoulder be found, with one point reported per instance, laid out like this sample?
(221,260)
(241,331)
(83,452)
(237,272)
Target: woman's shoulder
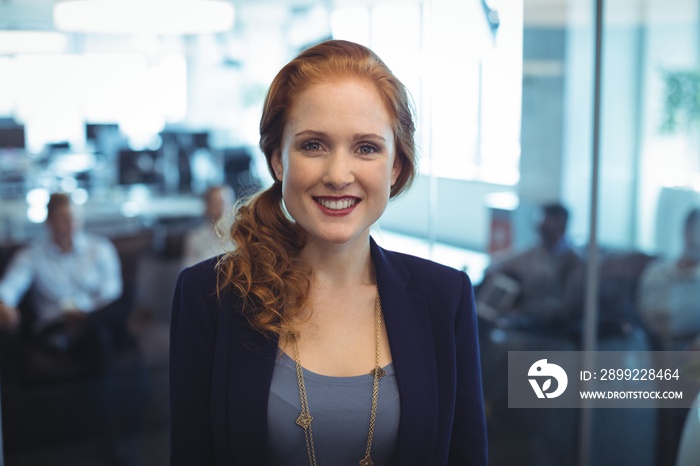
(446,291)
(422,264)
(424,272)
(200,277)
(207,267)
(198,292)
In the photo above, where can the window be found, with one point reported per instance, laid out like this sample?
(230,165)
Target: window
(56,94)
(465,79)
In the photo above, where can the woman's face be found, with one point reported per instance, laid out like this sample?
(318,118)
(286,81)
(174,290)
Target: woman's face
(337,160)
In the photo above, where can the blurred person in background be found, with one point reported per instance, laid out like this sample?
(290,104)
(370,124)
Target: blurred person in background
(535,287)
(669,291)
(73,280)
(206,241)
(669,304)
(527,302)
(70,275)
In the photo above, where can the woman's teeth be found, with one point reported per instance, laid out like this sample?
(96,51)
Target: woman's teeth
(339,204)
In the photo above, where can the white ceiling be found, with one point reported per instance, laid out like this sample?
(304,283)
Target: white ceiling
(37,14)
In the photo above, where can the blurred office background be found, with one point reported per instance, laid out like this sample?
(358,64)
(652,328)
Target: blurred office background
(135,119)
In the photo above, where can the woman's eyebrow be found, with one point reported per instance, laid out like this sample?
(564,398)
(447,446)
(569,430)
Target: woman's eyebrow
(309,132)
(368,136)
(356,137)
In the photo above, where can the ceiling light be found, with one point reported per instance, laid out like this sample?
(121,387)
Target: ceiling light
(13,42)
(144,16)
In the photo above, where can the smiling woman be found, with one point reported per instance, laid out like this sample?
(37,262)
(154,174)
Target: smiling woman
(308,343)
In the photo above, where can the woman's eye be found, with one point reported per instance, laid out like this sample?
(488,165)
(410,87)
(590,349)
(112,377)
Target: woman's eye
(368,149)
(311,145)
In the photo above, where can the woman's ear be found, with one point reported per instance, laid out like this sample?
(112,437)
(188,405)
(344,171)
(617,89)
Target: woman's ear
(396,169)
(276,162)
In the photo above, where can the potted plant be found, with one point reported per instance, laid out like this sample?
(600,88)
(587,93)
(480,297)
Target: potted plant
(681,114)
(681,100)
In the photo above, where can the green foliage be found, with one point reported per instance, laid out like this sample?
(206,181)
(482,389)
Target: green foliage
(681,100)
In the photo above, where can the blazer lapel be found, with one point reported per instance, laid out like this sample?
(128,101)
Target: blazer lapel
(413,351)
(252,357)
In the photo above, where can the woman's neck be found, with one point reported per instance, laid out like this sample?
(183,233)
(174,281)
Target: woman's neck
(342,265)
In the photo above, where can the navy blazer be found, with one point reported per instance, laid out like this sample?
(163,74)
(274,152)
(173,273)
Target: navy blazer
(221,369)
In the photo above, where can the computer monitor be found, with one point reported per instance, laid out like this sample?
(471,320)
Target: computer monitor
(12,137)
(93,130)
(140,167)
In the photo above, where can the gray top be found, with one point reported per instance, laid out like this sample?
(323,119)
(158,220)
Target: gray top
(340,407)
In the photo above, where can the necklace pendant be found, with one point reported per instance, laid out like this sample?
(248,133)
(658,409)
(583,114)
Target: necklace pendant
(366,461)
(304,420)
(379,371)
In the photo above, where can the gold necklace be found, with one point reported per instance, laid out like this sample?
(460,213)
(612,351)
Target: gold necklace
(304,419)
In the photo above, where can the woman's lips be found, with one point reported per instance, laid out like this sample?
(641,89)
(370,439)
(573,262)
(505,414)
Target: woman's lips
(337,205)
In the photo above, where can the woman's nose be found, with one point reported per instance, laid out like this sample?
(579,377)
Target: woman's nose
(339,171)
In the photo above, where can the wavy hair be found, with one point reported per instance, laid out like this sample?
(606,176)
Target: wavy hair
(264,269)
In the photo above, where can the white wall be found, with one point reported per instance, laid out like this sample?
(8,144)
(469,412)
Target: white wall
(461,218)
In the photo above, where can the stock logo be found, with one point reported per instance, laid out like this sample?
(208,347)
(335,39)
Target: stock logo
(543,372)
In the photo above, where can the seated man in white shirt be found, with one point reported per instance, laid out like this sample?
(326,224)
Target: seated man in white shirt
(669,303)
(669,291)
(71,274)
(204,242)
(74,281)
